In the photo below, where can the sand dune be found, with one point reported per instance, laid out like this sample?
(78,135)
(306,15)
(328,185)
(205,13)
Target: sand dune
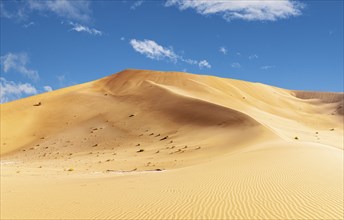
(334,100)
(167,145)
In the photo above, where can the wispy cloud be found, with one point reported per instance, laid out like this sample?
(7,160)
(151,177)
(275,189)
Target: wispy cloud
(223,50)
(76,10)
(189,61)
(29,24)
(253,56)
(10,90)
(83,28)
(267,67)
(3,11)
(19,13)
(136,4)
(47,88)
(73,10)
(236,65)
(154,51)
(17,62)
(244,10)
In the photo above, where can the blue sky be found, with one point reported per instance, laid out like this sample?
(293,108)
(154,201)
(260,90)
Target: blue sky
(47,45)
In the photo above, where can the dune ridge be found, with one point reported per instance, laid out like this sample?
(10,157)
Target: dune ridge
(143,144)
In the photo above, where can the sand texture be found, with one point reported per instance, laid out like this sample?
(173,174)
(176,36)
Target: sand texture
(145,144)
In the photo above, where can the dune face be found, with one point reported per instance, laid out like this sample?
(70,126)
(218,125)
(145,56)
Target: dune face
(167,145)
(334,100)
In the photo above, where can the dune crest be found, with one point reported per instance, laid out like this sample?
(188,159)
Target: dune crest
(172,145)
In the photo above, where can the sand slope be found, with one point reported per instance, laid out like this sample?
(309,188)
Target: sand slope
(167,145)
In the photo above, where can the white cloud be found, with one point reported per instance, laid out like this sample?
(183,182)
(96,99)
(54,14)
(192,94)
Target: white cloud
(83,28)
(236,65)
(253,56)
(154,51)
(136,4)
(223,50)
(122,38)
(47,88)
(10,90)
(268,10)
(74,10)
(17,62)
(266,67)
(204,63)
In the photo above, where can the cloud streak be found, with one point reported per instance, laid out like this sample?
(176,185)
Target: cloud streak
(243,10)
(154,51)
(83,28)
(17,62)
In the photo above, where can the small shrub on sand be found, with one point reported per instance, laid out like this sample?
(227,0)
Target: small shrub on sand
(70,169)
(296,138)
(141,150)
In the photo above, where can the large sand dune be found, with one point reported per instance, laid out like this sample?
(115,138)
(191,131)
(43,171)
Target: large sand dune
(166,145)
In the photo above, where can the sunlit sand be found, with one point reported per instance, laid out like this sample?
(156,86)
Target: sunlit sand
(168,145)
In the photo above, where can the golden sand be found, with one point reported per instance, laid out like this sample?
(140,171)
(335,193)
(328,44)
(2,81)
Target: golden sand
(167,145)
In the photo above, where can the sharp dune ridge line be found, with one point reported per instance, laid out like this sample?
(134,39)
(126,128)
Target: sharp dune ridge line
(143,144)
